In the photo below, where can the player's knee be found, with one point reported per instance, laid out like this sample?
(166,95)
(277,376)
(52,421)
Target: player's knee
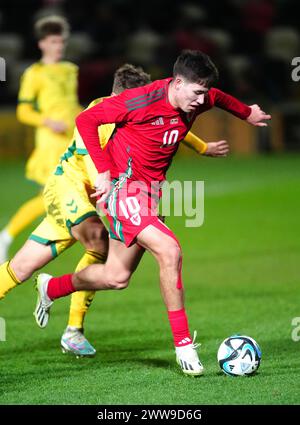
(118,281)
(170,255)
(23,269)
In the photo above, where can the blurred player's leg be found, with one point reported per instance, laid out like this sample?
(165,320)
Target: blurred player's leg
(25,215)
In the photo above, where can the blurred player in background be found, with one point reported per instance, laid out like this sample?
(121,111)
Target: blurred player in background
(71,216)
(152,121)
(47,101)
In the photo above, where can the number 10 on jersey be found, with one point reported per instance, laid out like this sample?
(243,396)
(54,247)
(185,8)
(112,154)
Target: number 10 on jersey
(170,137)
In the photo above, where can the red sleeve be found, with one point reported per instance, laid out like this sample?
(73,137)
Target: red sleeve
(229,103)
(111,110)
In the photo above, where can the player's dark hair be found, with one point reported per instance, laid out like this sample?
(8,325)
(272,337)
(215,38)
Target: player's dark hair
(51,25)
(128,77)
(196,67)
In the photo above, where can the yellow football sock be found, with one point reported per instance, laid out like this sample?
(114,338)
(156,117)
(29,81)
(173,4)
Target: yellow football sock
(25,215)
(8,279)
(81,300)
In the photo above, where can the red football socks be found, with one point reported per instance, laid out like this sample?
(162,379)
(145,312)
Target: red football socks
(180,328)
(60,286)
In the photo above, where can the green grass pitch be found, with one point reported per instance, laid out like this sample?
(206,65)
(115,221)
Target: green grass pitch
(241,275)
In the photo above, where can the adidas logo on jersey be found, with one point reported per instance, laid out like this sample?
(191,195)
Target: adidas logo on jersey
(159,121)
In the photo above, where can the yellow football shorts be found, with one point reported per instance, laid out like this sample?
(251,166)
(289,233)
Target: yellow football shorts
(67,203)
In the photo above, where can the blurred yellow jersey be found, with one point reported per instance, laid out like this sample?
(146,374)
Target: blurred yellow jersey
(105,132)
(48,91)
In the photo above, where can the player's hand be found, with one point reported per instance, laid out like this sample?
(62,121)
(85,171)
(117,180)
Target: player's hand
(102,186)
(215,149)
(257,117)
(56,126)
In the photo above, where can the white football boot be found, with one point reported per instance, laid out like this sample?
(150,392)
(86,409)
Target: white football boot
(187,358)
(42,309)
(74,342)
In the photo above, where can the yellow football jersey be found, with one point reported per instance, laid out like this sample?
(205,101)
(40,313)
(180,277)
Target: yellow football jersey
(48,91)
(76,160)
(105,132)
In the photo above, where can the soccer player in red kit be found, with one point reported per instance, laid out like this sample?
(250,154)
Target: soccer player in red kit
(151,121)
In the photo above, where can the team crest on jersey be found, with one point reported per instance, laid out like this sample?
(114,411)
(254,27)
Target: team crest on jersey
(174,121)
(159,121)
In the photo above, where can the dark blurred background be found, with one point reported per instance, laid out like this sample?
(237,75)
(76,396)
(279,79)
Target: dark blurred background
(252,42)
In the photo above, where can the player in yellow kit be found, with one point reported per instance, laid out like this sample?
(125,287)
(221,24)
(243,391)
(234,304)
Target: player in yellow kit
(47,101)
(72,216)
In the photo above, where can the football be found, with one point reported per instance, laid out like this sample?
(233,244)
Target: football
(239,355)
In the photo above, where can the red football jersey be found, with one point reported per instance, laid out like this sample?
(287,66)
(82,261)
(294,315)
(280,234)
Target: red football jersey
(148,130)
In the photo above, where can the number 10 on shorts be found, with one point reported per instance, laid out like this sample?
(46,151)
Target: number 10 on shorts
(131,210)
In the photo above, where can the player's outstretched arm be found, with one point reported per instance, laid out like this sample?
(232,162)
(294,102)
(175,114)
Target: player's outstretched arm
(258,117)
(252,114)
